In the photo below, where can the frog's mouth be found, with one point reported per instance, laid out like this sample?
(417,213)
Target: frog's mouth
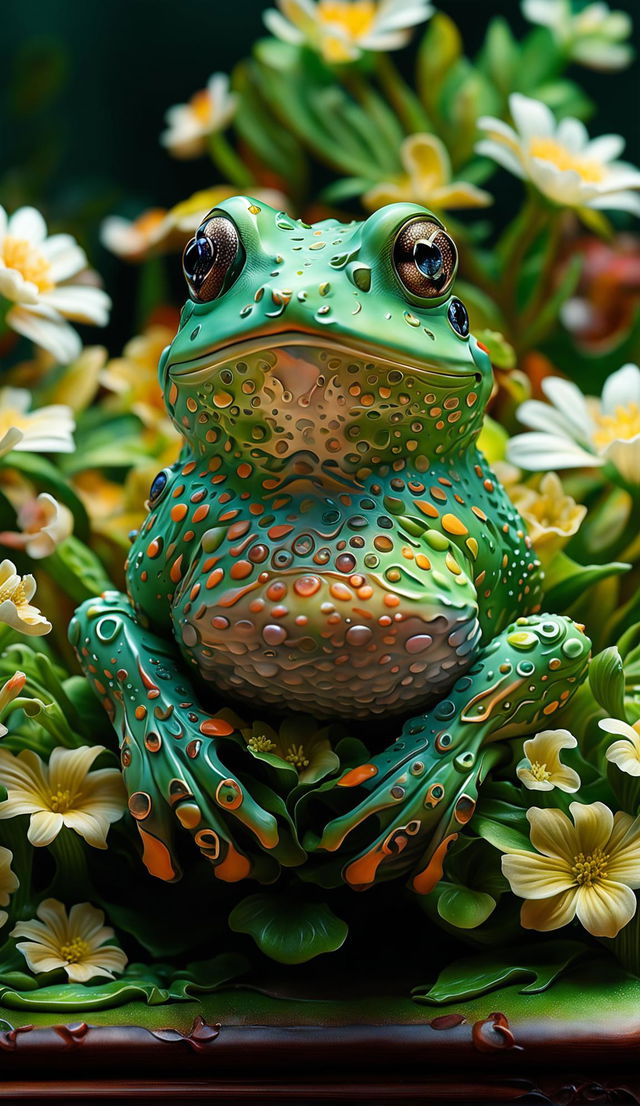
(300,353)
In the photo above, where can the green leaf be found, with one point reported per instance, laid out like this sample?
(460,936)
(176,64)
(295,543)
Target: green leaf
(77,570)
(499,835)
(439,50)
(537,965)
(500,55)
(566,581)
(606,679)
(287,927)
(463,907)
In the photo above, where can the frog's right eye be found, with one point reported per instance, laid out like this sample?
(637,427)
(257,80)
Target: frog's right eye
(425,258)
(213,258)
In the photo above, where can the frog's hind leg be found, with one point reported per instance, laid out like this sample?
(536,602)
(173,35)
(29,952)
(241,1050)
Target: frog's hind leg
(412,799)
(169,748)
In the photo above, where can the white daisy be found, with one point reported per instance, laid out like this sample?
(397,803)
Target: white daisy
(208,111)
(594,36)
(581,431)
(341,30)
(560,159)
(36,275)
(46,430)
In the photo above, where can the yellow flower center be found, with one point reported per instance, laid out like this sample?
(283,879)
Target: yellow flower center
(261,744)
(14,592)
(60,801)
(619,427)
(23,256)
(356,17)
(549,150)
(591,868)
(296,757)
(539,772)
(200,104)
(75,950)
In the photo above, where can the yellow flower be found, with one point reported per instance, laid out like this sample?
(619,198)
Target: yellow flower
(626,752)
(8,881)
(62,793)
(541,768)
(208,111)
(427,179)
(47,430)
(297,745)
(133,239)
(559,158)
(75,942)
(134,378)
(16,609)
(43,522)
(585,869)
(36,275)
(9,691)
(341,30)
(552,516)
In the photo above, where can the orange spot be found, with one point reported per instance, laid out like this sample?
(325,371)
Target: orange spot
(362,872)
(472,546)
(216,727)
(178,512)
(422,561)
(240,570)
(238,529)
(140,712)
(479,514)
(358,775)
(156,857)
(277,532)
(341,591)
(153,548)
(215,578)
(425,881)
(551,707)
(244,470)
(438,493)
(200,513)
(427,508)
(176,569)
(391,601)
(453,525)
(234,867)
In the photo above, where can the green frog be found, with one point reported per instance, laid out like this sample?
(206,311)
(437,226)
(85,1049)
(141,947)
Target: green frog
(331,542)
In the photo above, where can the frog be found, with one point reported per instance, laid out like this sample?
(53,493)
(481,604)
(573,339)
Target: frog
(331,542)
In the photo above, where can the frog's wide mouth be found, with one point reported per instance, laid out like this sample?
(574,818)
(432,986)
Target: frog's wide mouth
(199,369)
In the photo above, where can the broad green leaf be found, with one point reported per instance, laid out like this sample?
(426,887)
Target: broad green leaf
(538,966)
(464,907)
(502,837)
(77,570)
(566,581)
(606,678)
(287,927)
(439,50)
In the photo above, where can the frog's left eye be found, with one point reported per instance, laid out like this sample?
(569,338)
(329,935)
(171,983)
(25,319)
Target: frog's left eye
(213,258)
(425,258)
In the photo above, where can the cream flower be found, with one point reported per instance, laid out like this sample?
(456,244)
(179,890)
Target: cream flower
(16,610)
(427,179)
(341,30)
(46,430)
(593,36)
(36,274)
(579,431)
(552,516)
(8,692)
(133,239)
(43,522)
(75,942)
(9,881)
(134,377)
(626,752)
(208,111)
(62,793)
(559,158)
(541,768)
(587,869)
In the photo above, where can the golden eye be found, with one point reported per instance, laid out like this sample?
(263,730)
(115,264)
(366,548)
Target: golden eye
(425,258)
(213,258)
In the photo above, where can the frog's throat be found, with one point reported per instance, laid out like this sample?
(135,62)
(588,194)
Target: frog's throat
(199,369)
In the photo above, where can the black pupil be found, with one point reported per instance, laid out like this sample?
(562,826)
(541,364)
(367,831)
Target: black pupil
(459,318)
(429,259)
(198,258)
(158,485)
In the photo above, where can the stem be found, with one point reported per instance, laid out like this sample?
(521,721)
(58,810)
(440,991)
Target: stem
(72,876)
(513,248)
(403,100)
(549,261)
(228,162)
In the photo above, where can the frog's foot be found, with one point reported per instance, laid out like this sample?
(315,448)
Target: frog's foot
(170,748)
(414,797)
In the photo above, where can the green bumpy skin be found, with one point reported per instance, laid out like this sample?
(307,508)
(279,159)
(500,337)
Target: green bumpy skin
(331,541)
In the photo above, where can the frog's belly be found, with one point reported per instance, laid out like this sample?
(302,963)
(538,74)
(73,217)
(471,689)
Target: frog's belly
(325,643)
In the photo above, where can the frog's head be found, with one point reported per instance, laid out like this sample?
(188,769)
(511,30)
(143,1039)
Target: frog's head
(341,342)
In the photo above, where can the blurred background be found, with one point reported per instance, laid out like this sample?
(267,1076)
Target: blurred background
(86,86)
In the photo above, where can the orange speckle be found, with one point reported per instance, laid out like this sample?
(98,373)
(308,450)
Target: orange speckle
(427,508)
(240,570)
(153,548)
(422,561)
(453,525)
(245,470)
(341,592)
(200,513)
(214,578)
(140,712)
(178,512)
(479,514)
(277,532)
(216,727)
(391,601)
(188,468)
(176,569)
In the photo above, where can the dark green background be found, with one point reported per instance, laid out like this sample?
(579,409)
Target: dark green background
(86,83)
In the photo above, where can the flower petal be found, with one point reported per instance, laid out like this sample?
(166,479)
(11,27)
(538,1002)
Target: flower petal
(532,876)
(547,914)
(605,907)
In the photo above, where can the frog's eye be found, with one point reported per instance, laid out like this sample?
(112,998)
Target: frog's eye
(213,258)
(425,258)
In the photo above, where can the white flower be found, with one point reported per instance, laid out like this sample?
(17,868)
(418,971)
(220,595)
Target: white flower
(593,36)
(36,274)
(63,792)
(46,430)
(8,881)
(208,111)
(43,522)
(626,752)
(16,610)
(341,30)
(74,942)
(133,238)
(560,159)
(541,768)
(581,431)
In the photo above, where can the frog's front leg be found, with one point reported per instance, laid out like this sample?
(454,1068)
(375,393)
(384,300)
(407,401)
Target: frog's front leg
(412,799)
(170,748)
